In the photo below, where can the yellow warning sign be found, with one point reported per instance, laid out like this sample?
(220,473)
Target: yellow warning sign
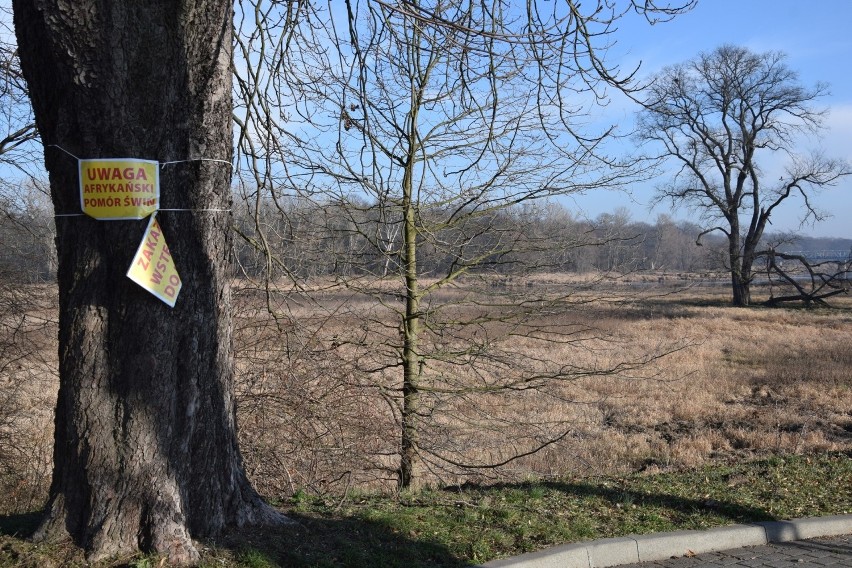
(153,267)
(119,188)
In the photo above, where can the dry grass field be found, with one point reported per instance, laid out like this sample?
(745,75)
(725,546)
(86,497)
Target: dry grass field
(317,388)
(753,381)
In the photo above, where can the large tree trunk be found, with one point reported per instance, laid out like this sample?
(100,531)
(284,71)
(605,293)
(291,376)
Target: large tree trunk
(145,451)
(742,290)
(741,276)
(740,270)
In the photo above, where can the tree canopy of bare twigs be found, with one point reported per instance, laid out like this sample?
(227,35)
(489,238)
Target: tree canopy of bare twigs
(719,118)
(17,126)
(415,128)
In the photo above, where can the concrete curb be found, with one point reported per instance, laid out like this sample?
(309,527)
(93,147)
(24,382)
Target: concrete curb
(645,548)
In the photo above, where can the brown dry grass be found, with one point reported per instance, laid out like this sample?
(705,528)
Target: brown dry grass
(318,392)
(28,383)
(756,380)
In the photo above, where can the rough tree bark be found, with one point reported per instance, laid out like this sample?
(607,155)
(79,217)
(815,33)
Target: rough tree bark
(145,456)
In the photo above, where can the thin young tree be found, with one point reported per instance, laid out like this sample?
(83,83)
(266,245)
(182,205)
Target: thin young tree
(445,118)
(721,118)
(145,454)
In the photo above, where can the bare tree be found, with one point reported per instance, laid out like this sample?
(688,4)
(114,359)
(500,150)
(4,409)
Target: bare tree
(434,121)
(719,117)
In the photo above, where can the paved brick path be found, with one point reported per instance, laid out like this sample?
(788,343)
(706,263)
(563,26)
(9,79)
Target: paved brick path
(834,552)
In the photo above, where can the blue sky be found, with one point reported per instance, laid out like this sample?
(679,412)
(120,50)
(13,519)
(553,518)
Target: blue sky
(817,38)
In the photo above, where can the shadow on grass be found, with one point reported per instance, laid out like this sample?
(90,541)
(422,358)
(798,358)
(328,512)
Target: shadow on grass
(626,498)
(327,542)
(733,511)
(310,541)
(21,525)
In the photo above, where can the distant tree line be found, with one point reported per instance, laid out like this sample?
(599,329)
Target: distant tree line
(313,239)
